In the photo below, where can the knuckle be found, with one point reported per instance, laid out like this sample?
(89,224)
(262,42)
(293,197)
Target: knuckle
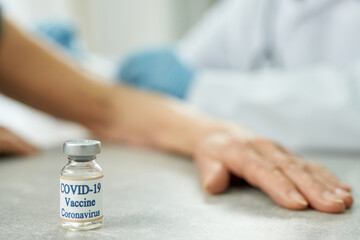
(264,141)
(303,167)
(278,176)
(292,165)
(283,150)
(276,172)
(252,174)
(268,166)
(264,169)
(241,144)
(310,182)
(319,167)
(289,165)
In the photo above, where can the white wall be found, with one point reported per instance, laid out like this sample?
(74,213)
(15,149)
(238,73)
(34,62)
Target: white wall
(26,12)
(115,27)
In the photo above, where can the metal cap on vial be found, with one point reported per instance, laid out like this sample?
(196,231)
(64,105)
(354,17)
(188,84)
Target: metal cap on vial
(82,147)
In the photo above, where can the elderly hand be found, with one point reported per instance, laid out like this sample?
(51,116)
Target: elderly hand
(11,144)
(291,181)
(221,149)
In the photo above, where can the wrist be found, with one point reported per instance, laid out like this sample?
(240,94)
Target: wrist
(219,130)
(98,116)
(191,131)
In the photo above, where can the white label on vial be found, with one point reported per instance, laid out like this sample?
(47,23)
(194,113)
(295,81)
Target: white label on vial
(81,200)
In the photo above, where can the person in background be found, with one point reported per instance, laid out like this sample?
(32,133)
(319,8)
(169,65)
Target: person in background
(289,70)
(43,78)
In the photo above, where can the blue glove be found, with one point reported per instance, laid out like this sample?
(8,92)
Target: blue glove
(62,33)
(158,70)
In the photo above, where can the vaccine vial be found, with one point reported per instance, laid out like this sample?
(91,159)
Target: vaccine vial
(81,186)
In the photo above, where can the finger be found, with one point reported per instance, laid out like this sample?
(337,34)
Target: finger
(329,182)
(346,196)
(11,148)
(15,145)
(267,177)
(25,147)
(345,186)
(8,148)
(315,193)
(333,187)
(214,175)
(326,174)
(329,176)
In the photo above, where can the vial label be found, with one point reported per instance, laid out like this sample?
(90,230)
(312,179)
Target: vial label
(81,200)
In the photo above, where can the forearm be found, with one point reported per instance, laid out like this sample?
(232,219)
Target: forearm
(41,78)
(161,122)
(35,75)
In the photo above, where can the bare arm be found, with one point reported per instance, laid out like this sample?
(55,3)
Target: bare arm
(44,79)
(31,73)
(37,76)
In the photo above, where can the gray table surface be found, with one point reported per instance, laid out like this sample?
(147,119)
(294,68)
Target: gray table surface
(151,195)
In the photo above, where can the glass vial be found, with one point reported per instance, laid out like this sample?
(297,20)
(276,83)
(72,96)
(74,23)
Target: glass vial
(81,189)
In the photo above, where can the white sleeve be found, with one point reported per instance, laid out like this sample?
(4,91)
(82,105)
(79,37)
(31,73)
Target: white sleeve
(308,108)
(230,35)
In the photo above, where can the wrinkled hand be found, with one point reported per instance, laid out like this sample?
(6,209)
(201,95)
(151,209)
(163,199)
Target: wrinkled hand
(11,144)
(291,181)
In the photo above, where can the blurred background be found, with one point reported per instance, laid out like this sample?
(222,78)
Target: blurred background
(113,28)
(288,71)
(106,31)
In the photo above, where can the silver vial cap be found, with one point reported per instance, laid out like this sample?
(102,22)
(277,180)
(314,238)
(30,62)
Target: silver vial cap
(82,147)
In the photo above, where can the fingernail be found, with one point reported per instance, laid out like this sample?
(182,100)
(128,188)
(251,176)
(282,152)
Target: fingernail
(342,193)
(206,184)
(344,185)
(329,196)
(294,195)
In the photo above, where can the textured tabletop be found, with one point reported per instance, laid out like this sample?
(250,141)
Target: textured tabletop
(150,195)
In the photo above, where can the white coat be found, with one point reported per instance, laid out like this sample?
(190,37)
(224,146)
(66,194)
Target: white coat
(287,69)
